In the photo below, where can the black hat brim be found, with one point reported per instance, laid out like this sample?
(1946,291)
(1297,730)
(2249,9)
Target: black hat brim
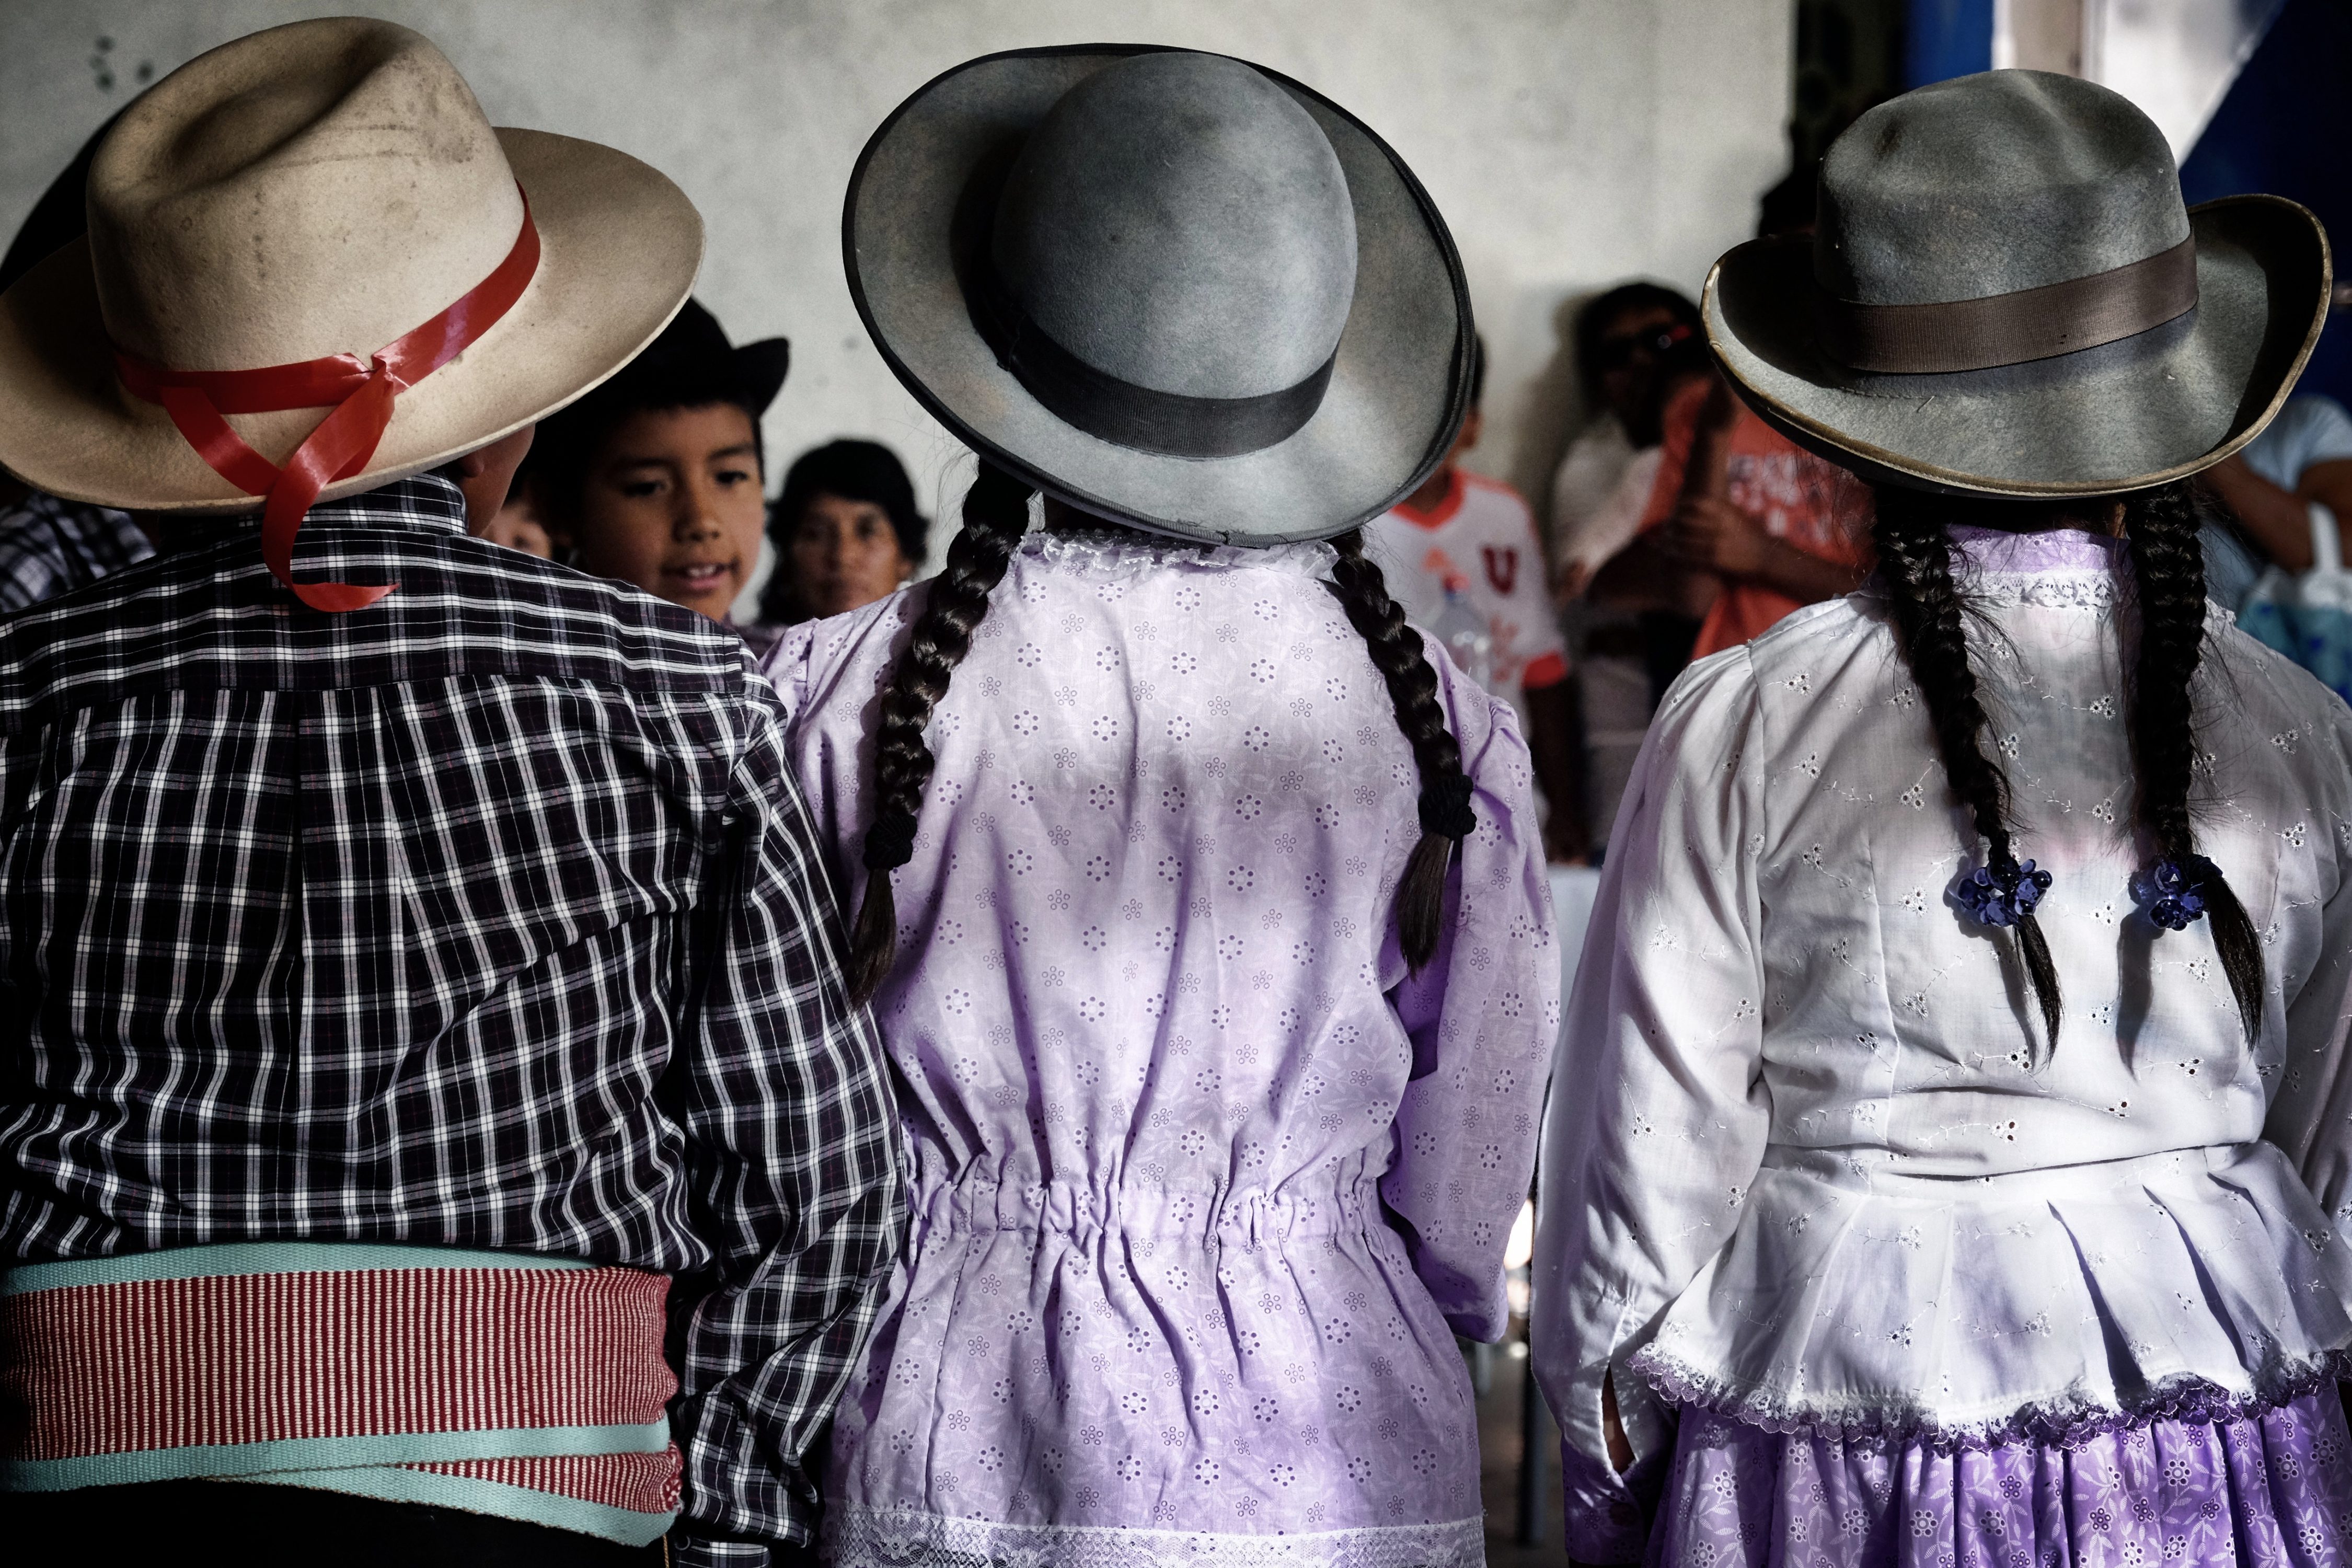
(759,372)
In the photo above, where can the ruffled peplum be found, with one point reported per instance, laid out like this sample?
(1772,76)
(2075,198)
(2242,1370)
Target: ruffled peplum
(1969,1312)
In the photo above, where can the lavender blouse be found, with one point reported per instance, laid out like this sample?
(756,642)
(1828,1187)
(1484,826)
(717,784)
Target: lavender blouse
(1203,1182)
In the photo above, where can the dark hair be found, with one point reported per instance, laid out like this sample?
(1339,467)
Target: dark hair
(1477,370)
(995,515)
(1602,308)
(854,470)
(1911,529)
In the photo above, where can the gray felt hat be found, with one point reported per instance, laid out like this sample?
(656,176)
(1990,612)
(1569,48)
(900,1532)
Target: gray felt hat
(2005,296)
(1171,288)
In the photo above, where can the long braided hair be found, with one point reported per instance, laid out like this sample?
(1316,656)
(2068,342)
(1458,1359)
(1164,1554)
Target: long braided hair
(995,515)
(1915,561)
(1445,816)
(2169,565)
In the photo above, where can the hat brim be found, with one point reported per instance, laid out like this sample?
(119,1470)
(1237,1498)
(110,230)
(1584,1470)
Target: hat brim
(1400,381)
(2123,417)
(619,246)
(760,371)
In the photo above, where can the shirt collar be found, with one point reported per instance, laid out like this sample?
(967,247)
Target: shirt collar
(425,503)
(1993,551)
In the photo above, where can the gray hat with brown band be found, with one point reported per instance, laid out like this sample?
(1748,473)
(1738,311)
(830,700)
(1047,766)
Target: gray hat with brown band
(1171,288)
(2005,296)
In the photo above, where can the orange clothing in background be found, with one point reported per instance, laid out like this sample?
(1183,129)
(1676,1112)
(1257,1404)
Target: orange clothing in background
(1794,496)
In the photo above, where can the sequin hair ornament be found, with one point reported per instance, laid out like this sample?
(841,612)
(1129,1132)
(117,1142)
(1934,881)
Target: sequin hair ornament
(2174,892)
(2002,893)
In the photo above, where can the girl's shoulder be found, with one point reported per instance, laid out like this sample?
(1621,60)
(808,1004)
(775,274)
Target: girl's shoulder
(809,660)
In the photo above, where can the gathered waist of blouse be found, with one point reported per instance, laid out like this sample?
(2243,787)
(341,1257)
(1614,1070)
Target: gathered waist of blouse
(979,1201)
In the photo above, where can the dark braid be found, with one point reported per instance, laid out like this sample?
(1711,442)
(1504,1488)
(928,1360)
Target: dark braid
(1445,814)
(995,515)
(2168,571)
(1915,560)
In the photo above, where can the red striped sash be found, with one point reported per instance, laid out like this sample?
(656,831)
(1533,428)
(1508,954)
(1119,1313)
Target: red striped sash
(488,1372)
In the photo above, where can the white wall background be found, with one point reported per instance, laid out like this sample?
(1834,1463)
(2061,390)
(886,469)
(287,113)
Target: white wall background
(1570,144)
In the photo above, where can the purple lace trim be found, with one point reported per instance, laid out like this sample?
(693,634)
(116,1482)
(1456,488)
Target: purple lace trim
(2064,1424)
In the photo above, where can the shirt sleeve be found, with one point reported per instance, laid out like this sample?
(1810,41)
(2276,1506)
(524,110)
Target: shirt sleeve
(1658,1115)
(793,1154)
(1679,427)
(2311,1108)
(2311,429)
(1481,1016)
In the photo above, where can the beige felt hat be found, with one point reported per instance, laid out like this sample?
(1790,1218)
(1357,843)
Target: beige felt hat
(318,189)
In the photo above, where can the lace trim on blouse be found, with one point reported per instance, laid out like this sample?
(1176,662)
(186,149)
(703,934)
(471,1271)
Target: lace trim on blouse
(2063,569)
(1104,553)
(2064,1420)
(897,1537)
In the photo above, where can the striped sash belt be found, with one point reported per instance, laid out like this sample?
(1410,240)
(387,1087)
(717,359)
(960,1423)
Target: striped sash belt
(530,1388)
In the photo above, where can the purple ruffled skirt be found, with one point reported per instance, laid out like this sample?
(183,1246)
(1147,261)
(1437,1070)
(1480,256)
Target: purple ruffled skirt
(2265,1490)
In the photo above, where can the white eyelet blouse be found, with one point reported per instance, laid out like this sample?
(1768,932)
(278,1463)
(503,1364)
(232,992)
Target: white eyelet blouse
(1796,1165)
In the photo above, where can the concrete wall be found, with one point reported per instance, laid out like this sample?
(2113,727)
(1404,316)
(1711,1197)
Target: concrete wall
(1570,144)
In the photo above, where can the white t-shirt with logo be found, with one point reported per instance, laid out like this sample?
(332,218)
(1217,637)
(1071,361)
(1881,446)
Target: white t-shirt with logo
(1481,534)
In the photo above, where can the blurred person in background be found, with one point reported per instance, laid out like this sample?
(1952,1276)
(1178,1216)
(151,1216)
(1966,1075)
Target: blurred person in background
(1465,560)
(846,531)
(1635,346)
(2305,455)
(655,476)
(1742,525)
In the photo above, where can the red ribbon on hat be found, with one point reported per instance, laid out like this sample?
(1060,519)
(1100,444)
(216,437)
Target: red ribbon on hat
(361,392)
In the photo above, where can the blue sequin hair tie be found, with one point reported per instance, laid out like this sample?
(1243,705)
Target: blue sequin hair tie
(2002,893)
(2172,891)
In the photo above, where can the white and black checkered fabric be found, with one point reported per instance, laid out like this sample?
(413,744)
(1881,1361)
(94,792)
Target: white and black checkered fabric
(486,917)
(49,546)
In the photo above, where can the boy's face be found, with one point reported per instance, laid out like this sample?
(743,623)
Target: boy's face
(672,502)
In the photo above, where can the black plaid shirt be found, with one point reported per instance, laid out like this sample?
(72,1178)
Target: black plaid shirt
(49,547)
(486,917)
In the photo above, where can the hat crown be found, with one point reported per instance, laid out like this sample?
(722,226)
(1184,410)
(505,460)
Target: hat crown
(1990,184)
(1178,221)
(319,188)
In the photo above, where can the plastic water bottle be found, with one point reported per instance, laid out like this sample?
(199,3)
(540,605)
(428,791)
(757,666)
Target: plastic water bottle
(1465,633)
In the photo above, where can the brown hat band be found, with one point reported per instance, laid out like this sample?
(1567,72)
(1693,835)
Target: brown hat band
(2011,329)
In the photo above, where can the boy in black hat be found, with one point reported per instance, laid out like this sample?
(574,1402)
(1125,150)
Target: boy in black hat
(656,478)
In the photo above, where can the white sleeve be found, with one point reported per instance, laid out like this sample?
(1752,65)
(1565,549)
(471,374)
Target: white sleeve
(2311,1099)
(1658,1116)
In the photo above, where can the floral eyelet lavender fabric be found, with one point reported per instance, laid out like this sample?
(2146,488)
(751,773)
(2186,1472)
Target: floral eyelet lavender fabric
(2267,1490)
(1204,1183)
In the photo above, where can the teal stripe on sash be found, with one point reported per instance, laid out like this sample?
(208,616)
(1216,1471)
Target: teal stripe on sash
(497,1499)
(261,1258)
(251,1460)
